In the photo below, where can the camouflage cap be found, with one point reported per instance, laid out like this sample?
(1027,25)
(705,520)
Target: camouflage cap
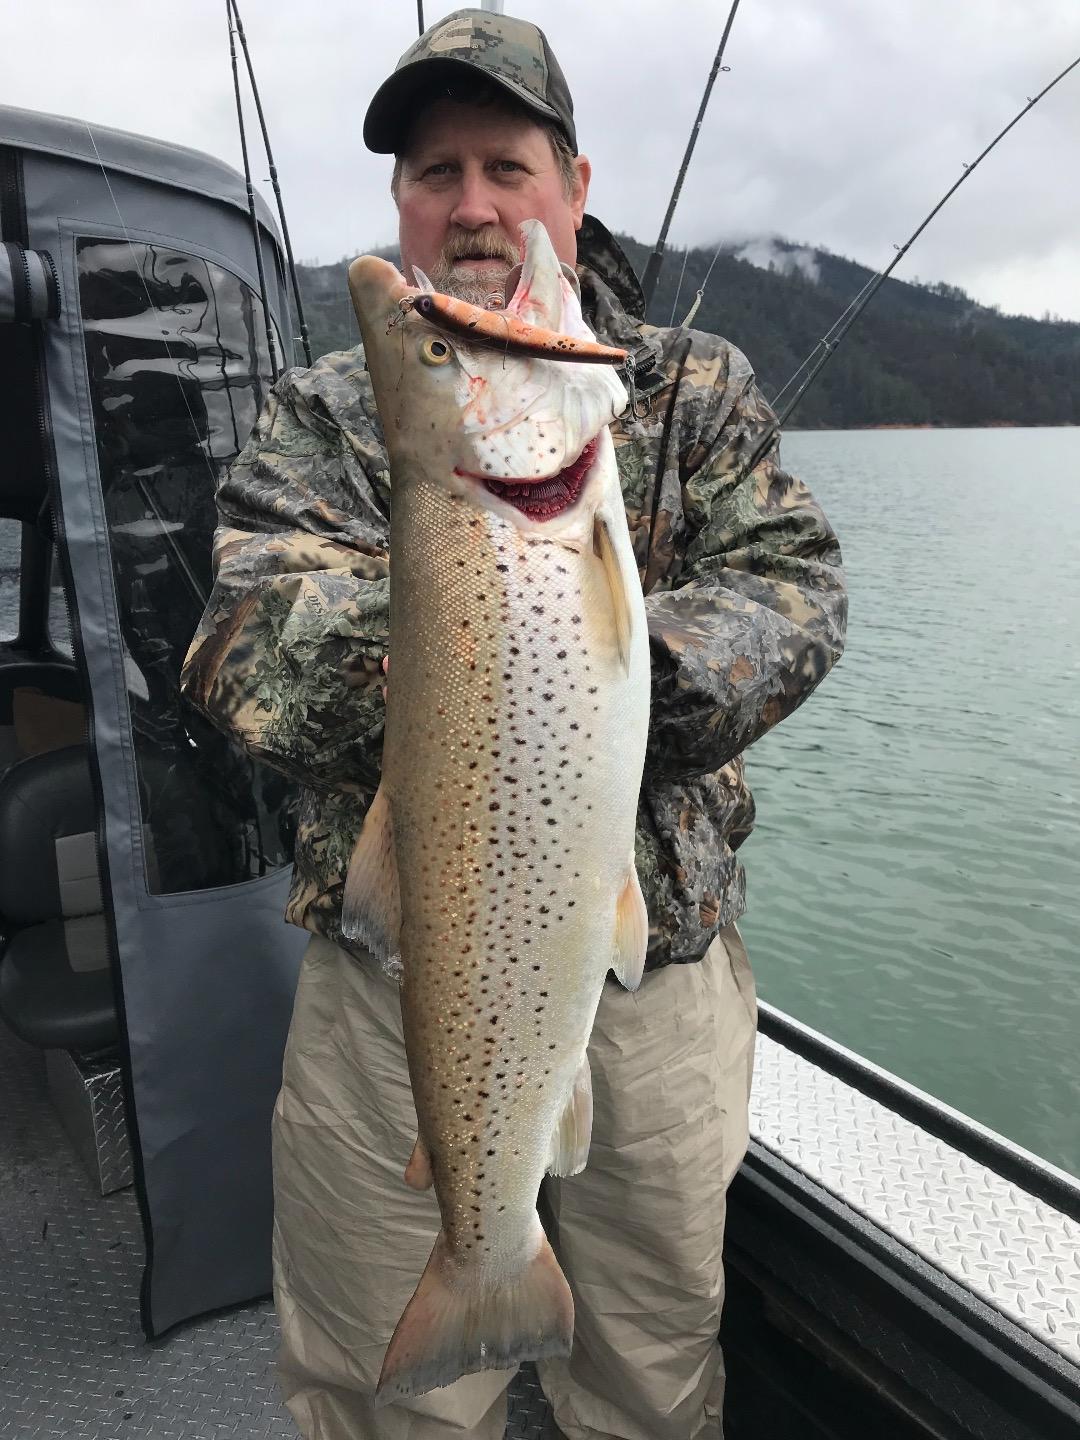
(511,52)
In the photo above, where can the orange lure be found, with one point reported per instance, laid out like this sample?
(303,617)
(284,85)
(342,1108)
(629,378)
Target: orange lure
(507,332)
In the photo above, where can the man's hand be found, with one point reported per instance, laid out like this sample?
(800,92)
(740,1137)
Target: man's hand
(363,671)
(386,672)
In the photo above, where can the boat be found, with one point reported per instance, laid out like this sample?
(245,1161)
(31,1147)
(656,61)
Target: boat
(893,1267)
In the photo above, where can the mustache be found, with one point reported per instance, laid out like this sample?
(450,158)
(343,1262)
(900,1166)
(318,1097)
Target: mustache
(484,244)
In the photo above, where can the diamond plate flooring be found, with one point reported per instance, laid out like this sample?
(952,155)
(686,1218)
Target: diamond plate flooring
(1014,1251)
(73,1361)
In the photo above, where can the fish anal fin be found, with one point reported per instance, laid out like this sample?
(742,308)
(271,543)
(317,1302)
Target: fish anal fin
(604,547)
(371,905)
(453,1326)
(631,933)
(570,1142)
(418,1172)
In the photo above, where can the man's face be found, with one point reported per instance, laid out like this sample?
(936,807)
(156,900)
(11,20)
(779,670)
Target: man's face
(470,176)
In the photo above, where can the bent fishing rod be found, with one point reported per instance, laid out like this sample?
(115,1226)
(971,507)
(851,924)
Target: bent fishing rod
(829,342)
(832,338)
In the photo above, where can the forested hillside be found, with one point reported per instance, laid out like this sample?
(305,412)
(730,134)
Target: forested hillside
(920,355)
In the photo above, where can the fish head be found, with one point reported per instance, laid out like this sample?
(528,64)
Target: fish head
(465,401)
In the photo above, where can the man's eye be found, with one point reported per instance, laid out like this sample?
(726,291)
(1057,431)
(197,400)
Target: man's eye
(440,169)
(506,166)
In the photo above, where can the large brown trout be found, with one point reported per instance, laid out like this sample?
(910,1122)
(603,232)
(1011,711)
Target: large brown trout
(495,868)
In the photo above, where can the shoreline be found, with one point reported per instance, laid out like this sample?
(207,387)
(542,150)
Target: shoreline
(928,425)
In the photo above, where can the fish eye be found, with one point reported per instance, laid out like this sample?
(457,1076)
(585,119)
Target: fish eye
(434,351)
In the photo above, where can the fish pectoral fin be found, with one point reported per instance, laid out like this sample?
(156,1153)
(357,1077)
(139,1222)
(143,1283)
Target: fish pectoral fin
(371,905)
(604,547)
(454,1325)
(631,933)
(570,1143)
(418,1172)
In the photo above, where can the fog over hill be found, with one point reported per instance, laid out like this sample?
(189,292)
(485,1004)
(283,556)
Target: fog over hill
(921,354)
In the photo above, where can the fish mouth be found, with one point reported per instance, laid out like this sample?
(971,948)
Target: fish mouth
(545,498)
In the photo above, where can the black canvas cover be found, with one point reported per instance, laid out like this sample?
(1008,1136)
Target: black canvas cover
(142,391)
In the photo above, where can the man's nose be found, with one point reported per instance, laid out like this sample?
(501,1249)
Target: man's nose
(475,206)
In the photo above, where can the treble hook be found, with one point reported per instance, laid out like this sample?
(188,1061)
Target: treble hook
(638,411)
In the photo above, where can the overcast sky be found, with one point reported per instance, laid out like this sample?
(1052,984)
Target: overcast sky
(840,123)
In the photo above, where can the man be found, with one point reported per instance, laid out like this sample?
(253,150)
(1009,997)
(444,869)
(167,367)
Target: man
(746,608)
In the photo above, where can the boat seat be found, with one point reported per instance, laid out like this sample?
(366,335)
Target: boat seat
(55,980)
(41,708)
(56,985)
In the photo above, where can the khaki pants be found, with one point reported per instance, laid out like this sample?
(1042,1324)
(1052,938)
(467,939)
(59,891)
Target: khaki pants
(639,1233)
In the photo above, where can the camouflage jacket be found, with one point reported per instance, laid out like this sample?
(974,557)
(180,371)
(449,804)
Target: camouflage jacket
(741,572)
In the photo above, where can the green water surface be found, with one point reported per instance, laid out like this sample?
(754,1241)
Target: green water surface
(914,878)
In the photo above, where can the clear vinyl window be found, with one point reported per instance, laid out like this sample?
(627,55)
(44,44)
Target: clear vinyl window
(178,367)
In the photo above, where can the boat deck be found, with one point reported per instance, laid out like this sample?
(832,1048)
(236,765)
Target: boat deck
(839,1191)
(73,1361)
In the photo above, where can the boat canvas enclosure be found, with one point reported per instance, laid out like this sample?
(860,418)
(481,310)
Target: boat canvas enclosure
(135,360)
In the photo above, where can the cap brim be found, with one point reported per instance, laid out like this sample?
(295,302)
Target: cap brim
(394,106)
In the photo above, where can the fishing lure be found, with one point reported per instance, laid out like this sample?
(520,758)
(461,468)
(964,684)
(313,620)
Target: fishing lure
(498,329)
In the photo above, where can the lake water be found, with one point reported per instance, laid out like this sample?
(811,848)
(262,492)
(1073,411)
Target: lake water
(914,878)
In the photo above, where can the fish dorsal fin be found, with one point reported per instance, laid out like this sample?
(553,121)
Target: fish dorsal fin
(604,547)
(371,905)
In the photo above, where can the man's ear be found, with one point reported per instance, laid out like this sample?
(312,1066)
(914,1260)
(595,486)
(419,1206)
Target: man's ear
(581,189)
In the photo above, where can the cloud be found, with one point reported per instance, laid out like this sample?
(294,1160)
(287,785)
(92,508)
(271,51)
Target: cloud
(766,253)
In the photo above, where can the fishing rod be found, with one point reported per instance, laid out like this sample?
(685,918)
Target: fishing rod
(255,236)
(828,343)
(234,9)
(656,259)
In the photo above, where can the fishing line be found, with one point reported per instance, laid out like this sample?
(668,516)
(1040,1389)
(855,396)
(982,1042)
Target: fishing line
(678,288)
(255,236)
(828,343)
(303,336)
(697,298)
(656,259)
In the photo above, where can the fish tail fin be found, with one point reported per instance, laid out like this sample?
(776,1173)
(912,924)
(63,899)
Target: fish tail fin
(454,1326)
